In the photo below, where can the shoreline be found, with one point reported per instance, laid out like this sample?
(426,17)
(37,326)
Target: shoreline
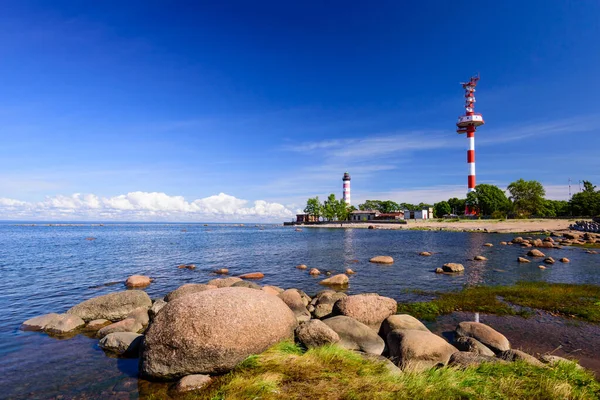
(485,226)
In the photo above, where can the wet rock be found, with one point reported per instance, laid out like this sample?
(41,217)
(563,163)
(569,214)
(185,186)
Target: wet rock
(549,260)
(64,323)
(564,260)
(122,343)
(187,289)
(526,245)
(247,284)
(535,253)
(315,333)
(113,306)
(39,323)
(382,260)
(371,227)
(274,290)
(417,350)
(97,324)
(191,383)
(488,245)
(425,254)
(439,270)
(301,266)
(126,325)
(548,245)
(541,267)
(253,275)
(355,335)
(401,321)
(292,298)
(221,271)
(212,331)
(349,271)
(538,243)
(336,280)
(157,305)
(503,243)
(223,282)
(135,281)
(314,271)
(369,309)
(187,266)
(488,336)
(453,267)
(523,260)
(463,359)
(472,345)
(518,240)
(518,355)
(479,258)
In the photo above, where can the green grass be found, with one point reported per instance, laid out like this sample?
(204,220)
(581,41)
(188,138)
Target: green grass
(574,301)
(331,372)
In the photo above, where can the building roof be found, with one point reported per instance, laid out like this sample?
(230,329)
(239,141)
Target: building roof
(365,212)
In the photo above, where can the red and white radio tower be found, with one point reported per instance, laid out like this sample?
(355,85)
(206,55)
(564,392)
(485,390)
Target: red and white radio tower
(468,124)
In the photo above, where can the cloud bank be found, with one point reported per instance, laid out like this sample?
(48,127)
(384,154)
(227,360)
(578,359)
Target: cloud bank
(143,206)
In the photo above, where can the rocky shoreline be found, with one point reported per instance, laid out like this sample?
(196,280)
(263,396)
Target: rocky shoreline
(202,330)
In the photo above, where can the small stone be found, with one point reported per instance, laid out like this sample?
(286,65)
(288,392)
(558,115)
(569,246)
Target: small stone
(121,343)
(301,266)
(439,271)
(187,266)
(127,325)
(137,281)
(480,258)
(222,271)
(503,243)
(453,267)
(336,280)
(191,383)
(349,271)
(564,260)
(187,289)
(315,333)
(425,254)
(541,267)
(523,260)
(253,275)
(488,245)
(314,271)
(535,253)
(515,355)
(382,260)
(549,260)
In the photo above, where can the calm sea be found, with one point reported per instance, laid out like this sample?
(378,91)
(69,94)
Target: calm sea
(50,268)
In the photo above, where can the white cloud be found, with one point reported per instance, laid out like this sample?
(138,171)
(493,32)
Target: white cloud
(143,206)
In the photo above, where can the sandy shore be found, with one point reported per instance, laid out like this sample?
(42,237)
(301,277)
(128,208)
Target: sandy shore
(491,226)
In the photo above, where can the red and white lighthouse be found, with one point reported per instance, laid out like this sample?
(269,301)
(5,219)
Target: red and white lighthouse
(468,124)
(346,187)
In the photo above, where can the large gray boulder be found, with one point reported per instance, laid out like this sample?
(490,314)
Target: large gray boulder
(40,322)
(401,321)
(418,350)
(122,343)
(369,309)
(355,335)
(186,289)
(212,331)
(488,336)
(315,333)
(294,301)
(113,306)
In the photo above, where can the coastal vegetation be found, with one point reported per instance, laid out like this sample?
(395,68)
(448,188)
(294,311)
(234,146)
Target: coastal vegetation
(574,301)
(288,371)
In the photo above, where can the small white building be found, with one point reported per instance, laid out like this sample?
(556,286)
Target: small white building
(426,213)
(366,215)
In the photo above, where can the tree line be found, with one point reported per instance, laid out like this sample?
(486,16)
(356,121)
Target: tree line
(525,199)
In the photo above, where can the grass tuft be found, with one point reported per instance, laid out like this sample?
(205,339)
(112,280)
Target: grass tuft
(575,301)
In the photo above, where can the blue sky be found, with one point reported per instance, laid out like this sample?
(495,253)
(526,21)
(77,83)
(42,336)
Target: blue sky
(178,110)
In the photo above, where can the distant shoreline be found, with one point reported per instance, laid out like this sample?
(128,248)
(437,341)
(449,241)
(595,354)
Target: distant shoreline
(489,226)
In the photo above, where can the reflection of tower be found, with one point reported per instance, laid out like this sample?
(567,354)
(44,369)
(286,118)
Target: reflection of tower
(346,180)
(468,123)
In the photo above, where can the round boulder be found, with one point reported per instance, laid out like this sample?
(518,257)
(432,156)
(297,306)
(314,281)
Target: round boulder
(191,383)
(253,275)
(479,258)
(122,343)
(464,359)
(274,290)
(113,306)
(301,266)
(126,325)
(224,282)
(336,280)
(212,331)
(535,253)
(314,271)
(382,260)
(401,321)
(417,350)
(292,298)
(64,323)
(135,281)
(471,345)
(453,267)
(369,309)
(564,260)
(355,335)
(486,335)
(186,289)
(315,333)
(222,271)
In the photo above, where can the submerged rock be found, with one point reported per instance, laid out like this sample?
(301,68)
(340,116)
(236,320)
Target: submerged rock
(253,275)
(535,253)
(212,331)
(191,383)
(301,266)
(336,280)
(314,271)
(222,271)
(382,260)
(135,281)
(113,306)
(355,335)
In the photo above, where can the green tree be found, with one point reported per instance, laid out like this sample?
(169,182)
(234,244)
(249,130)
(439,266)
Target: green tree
(370,205)
(488,199)
(383,206)
(331,208)
(527,197)
(408,206)
(314,207)
(587,202)
(341,210)
(457,205)
(442,208)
